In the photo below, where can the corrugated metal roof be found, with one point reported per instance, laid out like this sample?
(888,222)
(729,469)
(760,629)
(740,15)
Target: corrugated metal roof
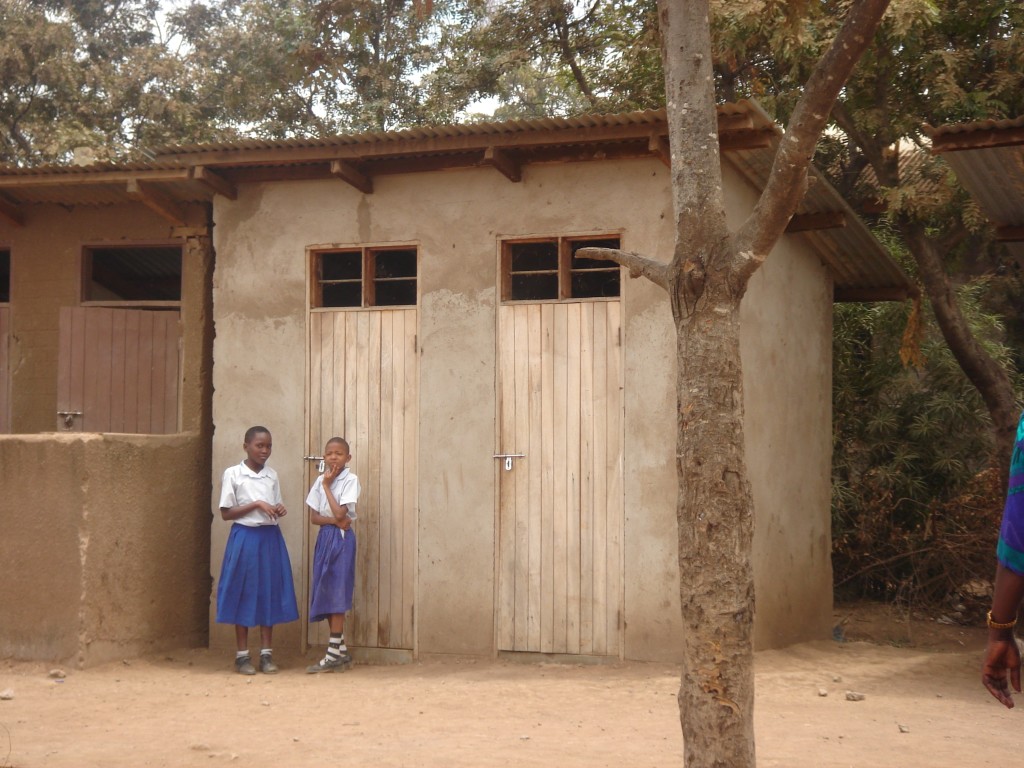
(988,159)
(92,169)
(858,261)
(653,117)
(952,129)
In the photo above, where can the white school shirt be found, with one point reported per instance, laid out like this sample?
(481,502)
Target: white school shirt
(240,485)
(344,488)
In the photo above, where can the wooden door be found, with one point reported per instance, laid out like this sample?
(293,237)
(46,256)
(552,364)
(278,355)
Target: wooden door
(560,514)
(362,386)
(118,370)
(5,371)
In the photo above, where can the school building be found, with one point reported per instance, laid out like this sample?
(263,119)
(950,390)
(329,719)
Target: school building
(509,405)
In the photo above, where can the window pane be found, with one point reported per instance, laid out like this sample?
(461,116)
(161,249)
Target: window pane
(342,295)
(534,287)
(395,293)
(341,265)
(5,275)
(135,274)
(594,278)
(534,257)
(595,284)
(394,263)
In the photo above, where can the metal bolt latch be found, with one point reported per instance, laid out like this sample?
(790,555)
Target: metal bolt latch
(319,466)
(508,459)
(69,417)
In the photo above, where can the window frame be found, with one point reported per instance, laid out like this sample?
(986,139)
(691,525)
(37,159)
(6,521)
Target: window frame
(367,280)
(85,275)
(565,271)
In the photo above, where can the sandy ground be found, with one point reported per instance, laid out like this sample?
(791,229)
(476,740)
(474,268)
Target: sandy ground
(188,709)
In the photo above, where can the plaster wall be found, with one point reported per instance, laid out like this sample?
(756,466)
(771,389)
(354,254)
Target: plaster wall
(105,536)
(97,564)
(456,219)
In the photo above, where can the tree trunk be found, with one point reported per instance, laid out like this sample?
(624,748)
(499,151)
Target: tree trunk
(715,521)
(986,374)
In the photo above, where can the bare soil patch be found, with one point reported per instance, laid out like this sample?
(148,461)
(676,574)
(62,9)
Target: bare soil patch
(922,706)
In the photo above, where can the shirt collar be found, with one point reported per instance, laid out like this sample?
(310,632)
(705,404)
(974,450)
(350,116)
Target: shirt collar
(250,473)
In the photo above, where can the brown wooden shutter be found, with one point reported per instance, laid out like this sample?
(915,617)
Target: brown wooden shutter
(119,368)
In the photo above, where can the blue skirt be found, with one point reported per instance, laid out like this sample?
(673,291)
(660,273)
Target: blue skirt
(255,588)
(334,572)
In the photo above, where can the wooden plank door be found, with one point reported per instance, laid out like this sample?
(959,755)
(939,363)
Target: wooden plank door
(363,387)
(5,371)
(118,368)
(560,515)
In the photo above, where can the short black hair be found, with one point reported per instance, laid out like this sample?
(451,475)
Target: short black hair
(342,440)
(251,432)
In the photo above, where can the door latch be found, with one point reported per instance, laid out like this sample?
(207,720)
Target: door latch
(319,459)
(508,459)
(69,417)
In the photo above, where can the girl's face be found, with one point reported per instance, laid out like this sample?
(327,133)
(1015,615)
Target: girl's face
(336,455)
(257,451)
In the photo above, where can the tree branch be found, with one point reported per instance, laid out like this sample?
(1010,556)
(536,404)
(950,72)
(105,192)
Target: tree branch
(697,195)
(655,271)
(787,182)
(562,31)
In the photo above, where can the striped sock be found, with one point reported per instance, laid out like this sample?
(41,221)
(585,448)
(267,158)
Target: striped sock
(335,648)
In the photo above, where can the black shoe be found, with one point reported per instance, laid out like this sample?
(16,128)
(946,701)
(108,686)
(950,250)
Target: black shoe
(267,665)
(243,665)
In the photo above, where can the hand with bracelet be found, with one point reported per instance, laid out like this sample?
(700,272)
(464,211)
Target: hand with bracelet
(1001,667)
(1002,657)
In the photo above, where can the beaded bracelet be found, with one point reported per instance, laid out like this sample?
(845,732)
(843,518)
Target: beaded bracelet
(997,625)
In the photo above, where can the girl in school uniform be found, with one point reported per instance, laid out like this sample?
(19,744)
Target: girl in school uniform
(255,587)
(332,506)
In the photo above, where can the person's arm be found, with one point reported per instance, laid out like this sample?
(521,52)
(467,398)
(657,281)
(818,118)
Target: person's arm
(1002,657)
(317,519)
(233,513)
(340,511)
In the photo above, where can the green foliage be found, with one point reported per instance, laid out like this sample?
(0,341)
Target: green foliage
(914,508)
(546,57)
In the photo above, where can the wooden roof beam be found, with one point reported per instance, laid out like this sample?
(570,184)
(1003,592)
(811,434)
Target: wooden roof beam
(214,182)
(1009,233)
(157,201)
(503,162)
(659,147)
(11,213)
(347,171)
(735,121)
(805,222)
(756,138)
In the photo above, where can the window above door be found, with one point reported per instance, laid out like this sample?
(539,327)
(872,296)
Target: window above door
(548,269)
(363,277)
(132,275)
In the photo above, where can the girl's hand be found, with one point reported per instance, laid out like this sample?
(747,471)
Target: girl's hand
(344,523)
(280,511)
(330,473)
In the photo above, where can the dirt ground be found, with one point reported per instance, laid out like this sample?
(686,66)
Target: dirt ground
(922,706)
